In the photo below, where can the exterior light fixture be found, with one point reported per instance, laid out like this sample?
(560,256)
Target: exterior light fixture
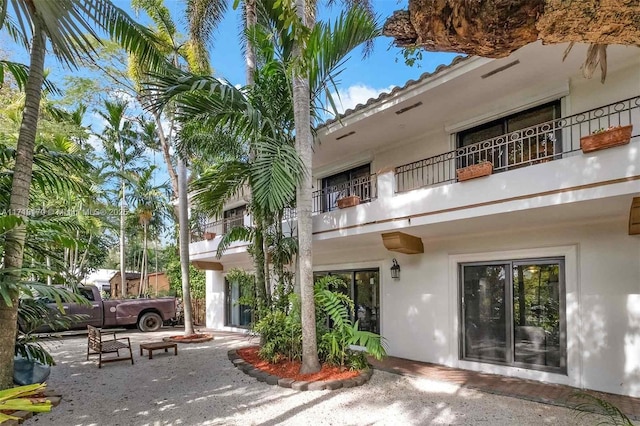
(395,270)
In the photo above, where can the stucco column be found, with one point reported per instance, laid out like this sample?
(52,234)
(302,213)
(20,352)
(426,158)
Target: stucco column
(215,299)
(385,184)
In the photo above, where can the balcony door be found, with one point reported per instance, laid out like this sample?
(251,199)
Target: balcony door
(233,217)
(363,287)
(514,141)
(344,184)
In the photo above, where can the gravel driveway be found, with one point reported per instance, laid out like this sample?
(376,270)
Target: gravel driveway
(201,387)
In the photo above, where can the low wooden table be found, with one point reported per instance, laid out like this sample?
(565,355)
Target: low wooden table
(153,346)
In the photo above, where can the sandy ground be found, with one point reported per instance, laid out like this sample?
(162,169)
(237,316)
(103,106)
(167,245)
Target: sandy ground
(201,387)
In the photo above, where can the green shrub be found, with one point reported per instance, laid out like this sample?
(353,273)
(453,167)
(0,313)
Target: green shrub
(281,336)
(343,333)
(281,333)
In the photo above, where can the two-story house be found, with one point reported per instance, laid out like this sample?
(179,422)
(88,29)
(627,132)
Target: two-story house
(530,271)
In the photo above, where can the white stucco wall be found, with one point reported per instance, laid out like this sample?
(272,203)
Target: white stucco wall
(420,313)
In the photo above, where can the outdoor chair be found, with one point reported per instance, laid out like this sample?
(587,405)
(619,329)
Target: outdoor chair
(97,346)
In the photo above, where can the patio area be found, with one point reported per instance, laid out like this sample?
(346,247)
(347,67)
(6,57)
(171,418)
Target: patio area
(201,387)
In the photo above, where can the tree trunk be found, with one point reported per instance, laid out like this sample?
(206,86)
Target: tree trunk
(496,28)
(487,28)
(259,261)
(301,105)
(250,54)
(164,144)
(123,212)
(19,202)
(143,268)
(183,224)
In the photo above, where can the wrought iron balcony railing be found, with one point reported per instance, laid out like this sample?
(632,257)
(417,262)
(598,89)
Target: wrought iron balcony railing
(544,142)
(326,199)
(209,230)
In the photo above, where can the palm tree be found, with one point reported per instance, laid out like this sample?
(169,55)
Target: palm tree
(202,16)
(122,148)
(304,50)
(69,27)
(217,104)
(149,205)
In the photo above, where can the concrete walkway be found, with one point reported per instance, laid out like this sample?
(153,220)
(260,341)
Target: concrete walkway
(500,385)
(201,387)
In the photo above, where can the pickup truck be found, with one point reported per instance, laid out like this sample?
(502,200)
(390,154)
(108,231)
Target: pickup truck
(147,314)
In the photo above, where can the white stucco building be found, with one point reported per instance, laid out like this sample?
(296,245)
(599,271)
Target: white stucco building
(529,272)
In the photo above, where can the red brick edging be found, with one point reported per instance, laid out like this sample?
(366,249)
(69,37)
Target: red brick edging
(270,379)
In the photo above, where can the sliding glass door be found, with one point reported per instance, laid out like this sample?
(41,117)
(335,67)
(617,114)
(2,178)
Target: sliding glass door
(513,312)
(363,287)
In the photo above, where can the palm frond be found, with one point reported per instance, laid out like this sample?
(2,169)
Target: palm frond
(237,233)
(275,173)
(203,17)
(329,45)
(218,183)
(19,72)
(591,404)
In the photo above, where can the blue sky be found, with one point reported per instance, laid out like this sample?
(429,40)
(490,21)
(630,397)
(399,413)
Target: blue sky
(361,78)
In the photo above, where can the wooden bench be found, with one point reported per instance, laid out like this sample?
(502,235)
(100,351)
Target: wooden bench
(96,346)
(153,346)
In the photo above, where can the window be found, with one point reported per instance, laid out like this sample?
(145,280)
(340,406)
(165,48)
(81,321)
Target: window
(513,313)
(363,287)
(350,182)
(535,144)
(86,293)
(233,217)
(236,314)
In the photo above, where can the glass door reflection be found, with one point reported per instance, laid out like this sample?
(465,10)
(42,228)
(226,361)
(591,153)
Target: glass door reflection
(485,327)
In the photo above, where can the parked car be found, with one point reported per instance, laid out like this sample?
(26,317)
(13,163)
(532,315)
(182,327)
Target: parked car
(146,314)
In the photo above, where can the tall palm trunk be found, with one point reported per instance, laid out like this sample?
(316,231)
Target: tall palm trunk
(19,202)
(301,111)
(250,53)
(142,287)
(183,224)
(123,212)
(164,144)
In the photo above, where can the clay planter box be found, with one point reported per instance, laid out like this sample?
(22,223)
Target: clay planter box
(614,136)
(474,171)
(350,201)
(209,235)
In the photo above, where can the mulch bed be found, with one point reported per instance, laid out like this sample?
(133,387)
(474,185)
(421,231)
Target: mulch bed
(194,338)
(290,369)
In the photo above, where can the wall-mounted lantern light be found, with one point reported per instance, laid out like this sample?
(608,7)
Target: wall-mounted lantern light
(395,270)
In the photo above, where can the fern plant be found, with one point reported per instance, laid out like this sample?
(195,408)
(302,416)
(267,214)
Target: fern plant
(343,332)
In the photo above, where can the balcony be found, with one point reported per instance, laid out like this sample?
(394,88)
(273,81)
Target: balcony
(537,144)
(326,199)
(210,230)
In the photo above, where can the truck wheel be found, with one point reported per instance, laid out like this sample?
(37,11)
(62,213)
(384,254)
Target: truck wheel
(150,322)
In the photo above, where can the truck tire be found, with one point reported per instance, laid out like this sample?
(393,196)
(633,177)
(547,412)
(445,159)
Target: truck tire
(149,321)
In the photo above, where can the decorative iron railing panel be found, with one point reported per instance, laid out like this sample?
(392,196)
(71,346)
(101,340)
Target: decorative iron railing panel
(326,199)
(218,227)
(544,142)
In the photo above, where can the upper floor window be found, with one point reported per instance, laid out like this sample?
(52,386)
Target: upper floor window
(512,141)
(356,181)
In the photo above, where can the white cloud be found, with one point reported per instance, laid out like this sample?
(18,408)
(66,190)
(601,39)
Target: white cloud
(95,142)
(357,94)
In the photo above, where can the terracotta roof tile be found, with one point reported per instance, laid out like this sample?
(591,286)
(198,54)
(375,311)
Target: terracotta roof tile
(371,101)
